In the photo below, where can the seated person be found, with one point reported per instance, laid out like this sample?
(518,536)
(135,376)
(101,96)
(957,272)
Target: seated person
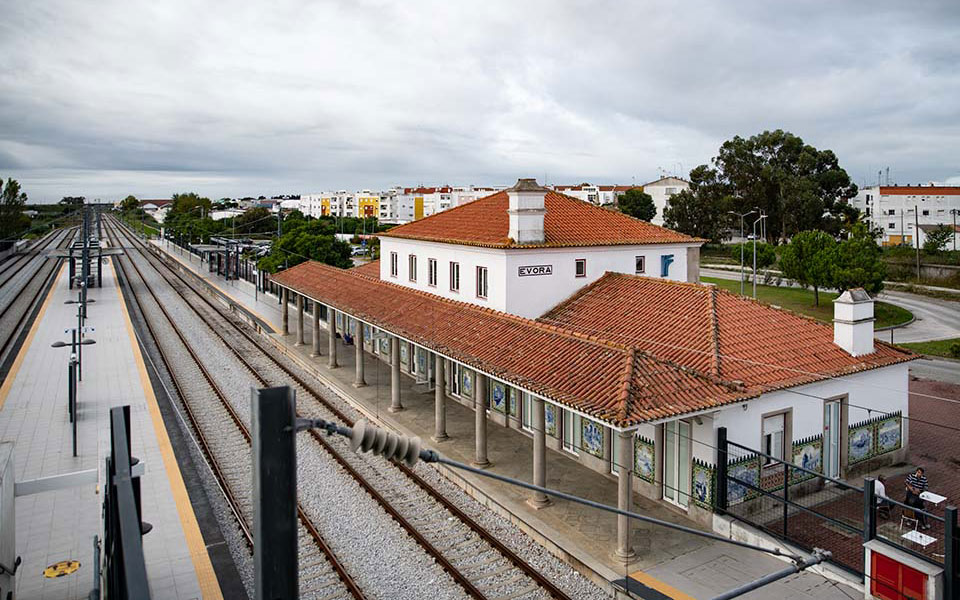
(880,488)
(347,339)
(917,484)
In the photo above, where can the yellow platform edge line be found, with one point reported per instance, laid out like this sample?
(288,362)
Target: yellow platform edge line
(206,577)
(265,320)
(22,355)
(663,588)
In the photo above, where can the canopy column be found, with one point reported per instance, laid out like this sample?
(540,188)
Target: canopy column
(285,311)
(440,433)
(316,330)
(359,381)
(480,415)
(539,499)
(395,405)
(332,343)
(624,439)
(300,337)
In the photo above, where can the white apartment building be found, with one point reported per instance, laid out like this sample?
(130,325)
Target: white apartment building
(897,209)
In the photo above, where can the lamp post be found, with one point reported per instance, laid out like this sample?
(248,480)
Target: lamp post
(954,211)
(742,216)
(80,329)
(759,219)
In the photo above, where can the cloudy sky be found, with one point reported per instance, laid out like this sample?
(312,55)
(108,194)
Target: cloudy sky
(108,98)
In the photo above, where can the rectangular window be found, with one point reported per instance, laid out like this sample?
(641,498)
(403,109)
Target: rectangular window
(454,277)
(641,264)
(925,213)
(891,225)
(432,272)
(412,267)
(891,212)
(393,264)
(773,438)
(481,282)
(581,267)
(571,432)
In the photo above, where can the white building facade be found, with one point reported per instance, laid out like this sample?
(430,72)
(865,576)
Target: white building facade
(897,210)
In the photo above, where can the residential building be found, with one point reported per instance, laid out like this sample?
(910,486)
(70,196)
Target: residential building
(661,190)
(897,209)
(561,317)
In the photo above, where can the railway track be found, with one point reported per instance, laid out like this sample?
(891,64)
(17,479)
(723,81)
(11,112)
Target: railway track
(228,451)
(478,561)
(25,284)
(10,267)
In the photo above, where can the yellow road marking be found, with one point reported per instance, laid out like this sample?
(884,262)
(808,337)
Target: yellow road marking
(209,586)
(212,282)
(663,588)
(21,356)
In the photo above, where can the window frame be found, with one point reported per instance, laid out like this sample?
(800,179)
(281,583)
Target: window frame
(573,446)
(432,272)
(483,282)
(412,267)
(643,265)
(576,267)
(394,265)
(455,277)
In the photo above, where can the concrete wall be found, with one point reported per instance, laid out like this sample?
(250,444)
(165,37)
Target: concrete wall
(532,295)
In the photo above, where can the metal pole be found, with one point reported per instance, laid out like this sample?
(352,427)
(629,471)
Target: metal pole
(817,558)
(951,553)
(73,412)
(741,255)
(274,493)
(869,508)
(71,383)
(755,258)
(916,238)
(786,496)
(722,462)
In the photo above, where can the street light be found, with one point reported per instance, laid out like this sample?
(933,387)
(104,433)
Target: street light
(759,219)
(746,214)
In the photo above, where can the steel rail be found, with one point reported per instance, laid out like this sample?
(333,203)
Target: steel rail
(472,524)
(318,539)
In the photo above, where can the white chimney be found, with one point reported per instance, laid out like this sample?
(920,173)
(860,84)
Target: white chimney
(853,322)
(526,212)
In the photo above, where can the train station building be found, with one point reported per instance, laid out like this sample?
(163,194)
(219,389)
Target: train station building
(587,331)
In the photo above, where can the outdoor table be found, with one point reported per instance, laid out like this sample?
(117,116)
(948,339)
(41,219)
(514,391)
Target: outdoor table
(932,498)
(919,538)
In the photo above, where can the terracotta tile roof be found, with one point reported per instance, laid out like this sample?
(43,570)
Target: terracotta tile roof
(370,269)
(713,331)
(919,190)
(568,222)
(605,379)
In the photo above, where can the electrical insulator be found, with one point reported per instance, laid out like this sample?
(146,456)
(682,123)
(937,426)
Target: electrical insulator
(398,448)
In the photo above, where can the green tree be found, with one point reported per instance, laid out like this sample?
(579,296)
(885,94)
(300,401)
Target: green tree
(129,203)
(12,220)
(700,211)
(188,203)
(795,184)
(859,261)
(766,254)
(809,259)
(638,204)
(255,220)
(309,240)
(937,240)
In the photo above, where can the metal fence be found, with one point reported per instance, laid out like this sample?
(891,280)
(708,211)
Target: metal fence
(796,504)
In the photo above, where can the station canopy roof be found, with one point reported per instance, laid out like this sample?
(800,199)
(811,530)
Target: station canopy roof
(624,350)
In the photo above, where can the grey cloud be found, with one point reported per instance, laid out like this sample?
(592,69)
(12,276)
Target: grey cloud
(243,98)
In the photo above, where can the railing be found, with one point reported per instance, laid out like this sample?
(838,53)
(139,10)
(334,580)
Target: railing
(126,572)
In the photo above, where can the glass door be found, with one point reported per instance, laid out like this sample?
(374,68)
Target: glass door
(831,438)
(676,463)
(571,432)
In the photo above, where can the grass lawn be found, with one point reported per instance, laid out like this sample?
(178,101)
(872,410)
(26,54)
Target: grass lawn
(800,301)
(937,348)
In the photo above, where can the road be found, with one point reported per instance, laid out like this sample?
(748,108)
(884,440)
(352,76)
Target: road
(935,319)
(935,369)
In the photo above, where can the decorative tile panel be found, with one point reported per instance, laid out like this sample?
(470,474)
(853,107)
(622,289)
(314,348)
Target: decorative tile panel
(644,458)
(550,419)
(592,436)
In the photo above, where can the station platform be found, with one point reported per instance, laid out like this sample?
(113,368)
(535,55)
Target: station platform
(669,564)
(60,525)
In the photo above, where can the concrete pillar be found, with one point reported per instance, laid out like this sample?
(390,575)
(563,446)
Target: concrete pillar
(395,405)
(316,330)
(539,499)
(480,416)
(285,310)
(359,381)
(332,344)
(624,494)
(440,433)
(300,337)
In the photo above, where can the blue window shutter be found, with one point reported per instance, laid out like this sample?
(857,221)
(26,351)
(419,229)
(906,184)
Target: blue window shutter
(665,261)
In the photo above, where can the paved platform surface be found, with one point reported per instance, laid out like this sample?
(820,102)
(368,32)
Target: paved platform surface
(673,564)
(60,525)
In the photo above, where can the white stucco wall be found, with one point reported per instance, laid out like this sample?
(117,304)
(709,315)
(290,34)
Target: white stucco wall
(884,390)
(528,296)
